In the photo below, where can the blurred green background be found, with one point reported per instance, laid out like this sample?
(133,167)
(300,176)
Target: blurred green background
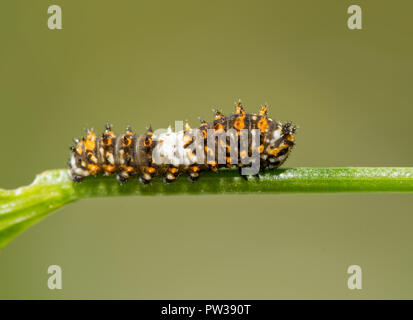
(154,62)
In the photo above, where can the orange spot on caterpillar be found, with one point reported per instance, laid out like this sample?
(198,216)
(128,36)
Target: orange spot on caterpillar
(147,142)
(79,149)
(150,170)
(239,123)
(263,124)
(109,168)
(90,145)
(93,169)
(128,168)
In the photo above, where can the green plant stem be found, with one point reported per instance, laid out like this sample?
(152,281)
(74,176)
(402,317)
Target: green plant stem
(52,189)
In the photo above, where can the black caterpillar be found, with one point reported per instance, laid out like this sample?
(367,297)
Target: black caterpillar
(150,154)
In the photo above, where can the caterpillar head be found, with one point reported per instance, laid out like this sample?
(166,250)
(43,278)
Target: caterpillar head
(280,141)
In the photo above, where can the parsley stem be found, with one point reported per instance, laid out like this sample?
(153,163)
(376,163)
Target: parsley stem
(22,207)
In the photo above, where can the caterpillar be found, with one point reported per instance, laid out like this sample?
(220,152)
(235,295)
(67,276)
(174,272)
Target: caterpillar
(171,154)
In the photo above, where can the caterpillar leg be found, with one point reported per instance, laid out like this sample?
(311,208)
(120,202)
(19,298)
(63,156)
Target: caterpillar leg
(245,177)
(168,180)
(171,175)
(193,173)
(145,180)
(77,179)
(147,174)
(122,177)
(192,179)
